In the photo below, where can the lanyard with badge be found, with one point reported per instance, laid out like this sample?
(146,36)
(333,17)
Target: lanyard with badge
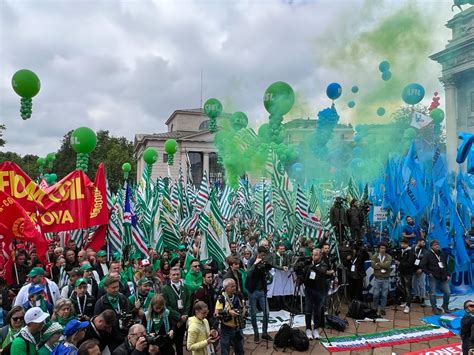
(353,267)
(178,293)
(382,258)
(312,274)
(418,260)
(83,308)
(440,263)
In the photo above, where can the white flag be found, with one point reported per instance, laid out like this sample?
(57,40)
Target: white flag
(419,120)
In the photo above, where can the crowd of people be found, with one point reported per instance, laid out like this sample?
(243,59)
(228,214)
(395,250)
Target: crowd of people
(87,302)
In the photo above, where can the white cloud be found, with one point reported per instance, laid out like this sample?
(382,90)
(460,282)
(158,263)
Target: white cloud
(126,66)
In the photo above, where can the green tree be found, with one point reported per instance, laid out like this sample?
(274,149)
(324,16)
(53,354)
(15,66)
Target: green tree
(27,163)
(112,151)
(2,141)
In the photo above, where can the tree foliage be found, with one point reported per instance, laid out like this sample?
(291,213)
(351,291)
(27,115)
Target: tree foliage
(2,141)
(27,163)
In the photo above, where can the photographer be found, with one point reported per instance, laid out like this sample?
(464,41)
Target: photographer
(355,220)
(256,285)
(231,310)
(406,268)
(135,343)
(337,217)
(315,282)
(467,327)
(354,263)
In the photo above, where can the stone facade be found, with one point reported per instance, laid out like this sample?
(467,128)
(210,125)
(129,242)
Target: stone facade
(457,61)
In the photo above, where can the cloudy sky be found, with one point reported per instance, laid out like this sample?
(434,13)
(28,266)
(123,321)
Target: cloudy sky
(125,66)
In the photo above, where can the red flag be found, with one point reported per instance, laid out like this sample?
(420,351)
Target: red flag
(99,213)
(97,240)
(15,223)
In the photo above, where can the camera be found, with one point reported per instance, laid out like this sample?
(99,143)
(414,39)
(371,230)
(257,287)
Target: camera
(158,340)
(126,320)
(300,265)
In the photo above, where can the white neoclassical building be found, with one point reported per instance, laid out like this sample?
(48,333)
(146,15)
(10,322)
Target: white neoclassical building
(190,129)
(457,61)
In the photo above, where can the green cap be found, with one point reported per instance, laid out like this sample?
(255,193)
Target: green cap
(86,267)
(101,253)
(182,247)
(80,281)
(144,281)
(50,329)
(36,271)
(117,256)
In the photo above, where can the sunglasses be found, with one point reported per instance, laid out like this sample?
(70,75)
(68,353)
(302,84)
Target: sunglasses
(18,319)
(470,305)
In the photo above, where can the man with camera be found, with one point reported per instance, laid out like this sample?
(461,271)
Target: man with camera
(256,284)
(355,220)
(230,309)
(338,219)
(136,343)
(316,288)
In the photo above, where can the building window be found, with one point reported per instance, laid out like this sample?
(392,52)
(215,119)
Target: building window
(216,172)
(195,158)
(204,126)
(165,158)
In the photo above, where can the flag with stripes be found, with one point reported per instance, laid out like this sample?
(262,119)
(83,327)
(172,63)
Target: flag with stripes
(115,227)
(244,201)
(227,203)
(203,193)
(214,243)
(135,235)
(308,223)
(268,220)
(352,190)
(169,226)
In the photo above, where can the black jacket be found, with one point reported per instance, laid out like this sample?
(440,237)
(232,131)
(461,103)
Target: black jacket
(354,217)
(125,349)
(256,277)
(318,282)
(407,262)
(419,254)
(112,340)
(430,265)
(87,309)
(103,304)
(467,333)
(208,295)
(359,271)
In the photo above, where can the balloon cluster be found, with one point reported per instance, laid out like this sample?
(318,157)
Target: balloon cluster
(50,178)
(239,120)
(27,85)
(327,120)
(83,142)
(212,109)
(41,163)
(171,147)
(150,156)
(384,68)
(126,168)
(50,158)
(278,101)
(434,103)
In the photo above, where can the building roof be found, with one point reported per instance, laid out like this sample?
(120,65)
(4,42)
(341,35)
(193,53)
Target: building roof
(193,111)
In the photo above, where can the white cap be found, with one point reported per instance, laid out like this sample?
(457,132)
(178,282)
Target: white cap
(35,315)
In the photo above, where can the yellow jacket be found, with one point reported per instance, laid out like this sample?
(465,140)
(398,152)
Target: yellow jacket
(198,332)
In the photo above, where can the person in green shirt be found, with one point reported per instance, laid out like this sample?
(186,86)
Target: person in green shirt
(51,333)
(15,320)
(194,277)
(27,341)
(141,300)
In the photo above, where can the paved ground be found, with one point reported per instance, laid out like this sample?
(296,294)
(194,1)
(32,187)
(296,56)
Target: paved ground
(397,320)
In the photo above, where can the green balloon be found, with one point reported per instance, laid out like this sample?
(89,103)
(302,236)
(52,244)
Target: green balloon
(83,140)
(50,157)
(264,131)
(171,146)
(46,176)
(380,111)
(409,134)
(53,177)
(279,98)
(41,161)
(126,167)
(212,108)
(26,83)
(150,155)
(239,120)
(437,115)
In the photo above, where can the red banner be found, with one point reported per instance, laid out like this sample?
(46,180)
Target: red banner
(454,348)
(15,223)
(72,203)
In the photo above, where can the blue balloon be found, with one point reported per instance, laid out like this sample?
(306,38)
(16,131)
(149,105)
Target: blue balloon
(351,104)
(384,66)
(355,89)
(357,138)
(297,168)
(333,91)
(413,93)
(380,111)
(357,151)
(386,75)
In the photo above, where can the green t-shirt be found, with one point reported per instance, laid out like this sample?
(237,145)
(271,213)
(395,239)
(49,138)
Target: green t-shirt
(193,280)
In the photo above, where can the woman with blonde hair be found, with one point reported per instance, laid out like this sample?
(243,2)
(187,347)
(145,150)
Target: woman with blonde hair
(159,323)
(63,311)
(200,338)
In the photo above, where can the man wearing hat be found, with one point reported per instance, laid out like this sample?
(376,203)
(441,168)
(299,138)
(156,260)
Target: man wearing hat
(88,275)
(82,301)
(51,333)
(143,296)
(101,267)
(68,289)
(36,299)
(74,331)
(36,276)
(27,341)
(435,266)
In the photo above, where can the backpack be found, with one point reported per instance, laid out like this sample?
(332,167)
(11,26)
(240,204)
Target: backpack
(7,349)
(361,310)
(299,340)
(336,323)
(283,337)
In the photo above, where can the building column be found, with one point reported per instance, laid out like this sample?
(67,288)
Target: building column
(451,121)
(206,164)
(184,165)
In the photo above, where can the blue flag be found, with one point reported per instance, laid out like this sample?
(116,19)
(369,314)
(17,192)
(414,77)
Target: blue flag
(462,193)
